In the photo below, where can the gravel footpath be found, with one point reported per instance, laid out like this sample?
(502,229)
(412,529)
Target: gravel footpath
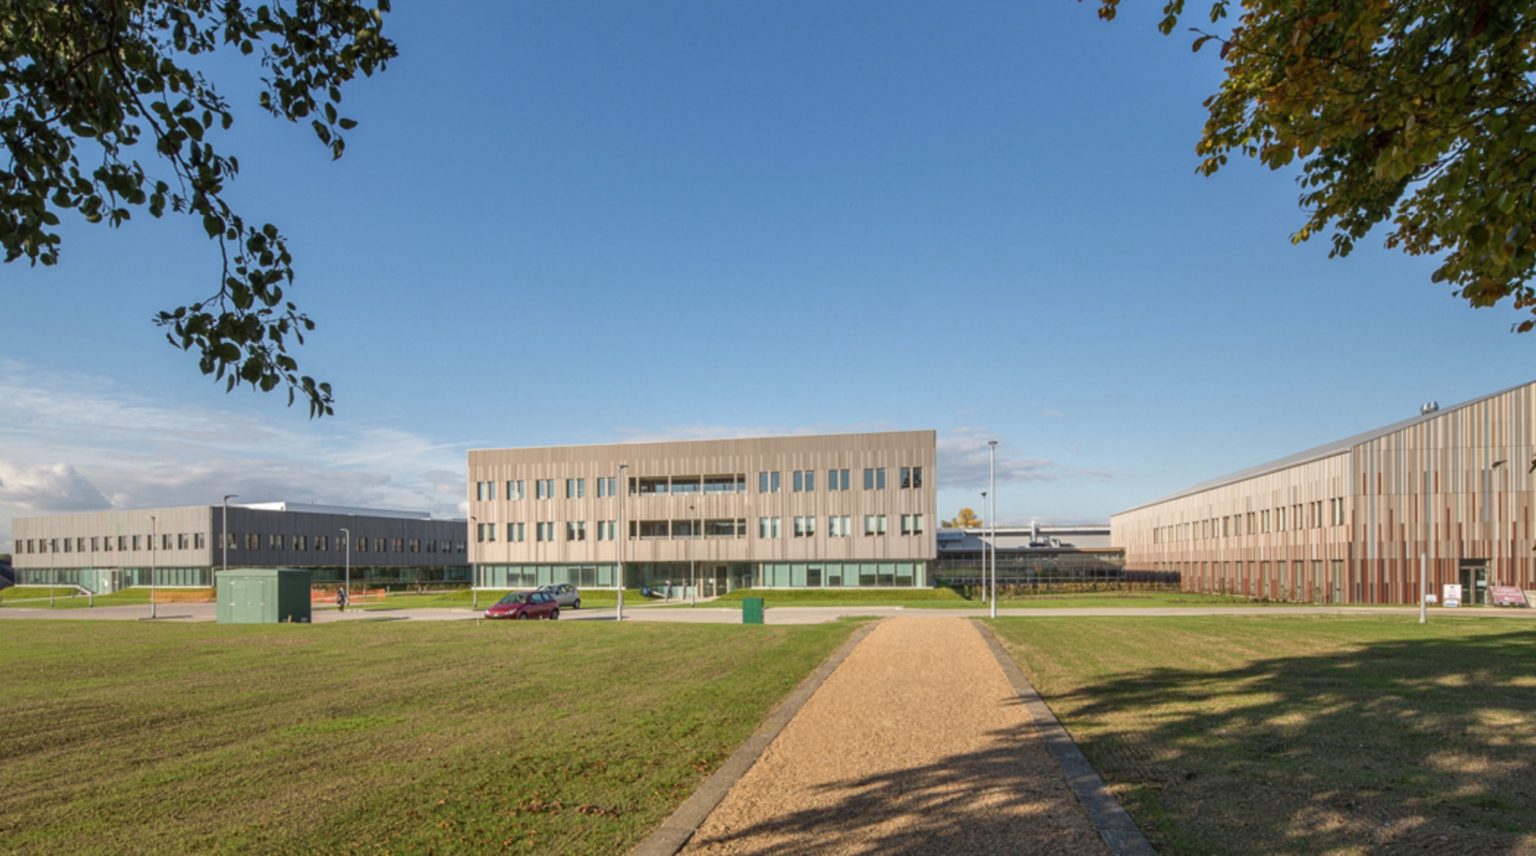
(916,744)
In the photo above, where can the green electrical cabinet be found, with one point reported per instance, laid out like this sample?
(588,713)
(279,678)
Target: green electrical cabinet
(263,595)
(751,610)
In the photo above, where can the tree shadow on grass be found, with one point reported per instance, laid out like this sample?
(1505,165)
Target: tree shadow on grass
(1009,797)
(1426,745)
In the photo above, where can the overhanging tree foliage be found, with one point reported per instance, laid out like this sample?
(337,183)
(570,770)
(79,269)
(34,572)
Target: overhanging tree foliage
(102,111)
(1420,114)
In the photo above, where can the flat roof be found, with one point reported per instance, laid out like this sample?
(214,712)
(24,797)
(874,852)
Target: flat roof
(655,441)
(318,508)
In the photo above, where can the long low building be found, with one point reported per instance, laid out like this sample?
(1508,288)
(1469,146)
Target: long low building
(109,550)
(827,511)
(1037,554)
(1351,521)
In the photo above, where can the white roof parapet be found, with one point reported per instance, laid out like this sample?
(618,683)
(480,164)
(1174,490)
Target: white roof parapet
(349,510)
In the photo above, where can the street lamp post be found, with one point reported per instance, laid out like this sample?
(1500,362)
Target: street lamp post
(982,536)
(693,576)
(224,528)
(992,515)
(346,579)
(623,535)
(1493,518)
(1429,531)
(474,567)
(154,535)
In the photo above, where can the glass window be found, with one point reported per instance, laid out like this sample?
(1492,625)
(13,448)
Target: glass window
(686,484)
(768,482)
(724,528)
(874,478)
(653,528)
(804,481)
(575,488)
(576,530)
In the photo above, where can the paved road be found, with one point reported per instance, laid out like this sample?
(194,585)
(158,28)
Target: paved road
(916,744)
(182,612)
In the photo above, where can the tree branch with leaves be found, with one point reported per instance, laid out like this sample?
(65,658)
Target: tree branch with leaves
(1419,115)
(102,113)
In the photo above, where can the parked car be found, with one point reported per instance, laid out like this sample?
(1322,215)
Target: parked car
(525,605)
(565,594)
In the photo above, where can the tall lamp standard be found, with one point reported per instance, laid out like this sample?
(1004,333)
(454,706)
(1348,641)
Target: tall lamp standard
(983,536)
(693,576)
(154,535)
(347,564)
(623,535)
(224,527)
(1429,531)
(992,515)
(474,569)
(1494,519)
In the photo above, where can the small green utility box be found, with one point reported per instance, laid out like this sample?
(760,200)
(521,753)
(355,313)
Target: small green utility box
(751,610)
(263,595)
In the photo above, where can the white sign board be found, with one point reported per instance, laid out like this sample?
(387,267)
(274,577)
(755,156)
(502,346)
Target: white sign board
(1452,595)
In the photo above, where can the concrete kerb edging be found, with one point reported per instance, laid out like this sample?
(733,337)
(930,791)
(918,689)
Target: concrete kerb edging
(680,826)
(1120,833)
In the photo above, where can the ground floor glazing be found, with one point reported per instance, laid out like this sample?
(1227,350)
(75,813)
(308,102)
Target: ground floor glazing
(710,578)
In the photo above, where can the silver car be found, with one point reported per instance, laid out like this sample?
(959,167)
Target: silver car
(565,594)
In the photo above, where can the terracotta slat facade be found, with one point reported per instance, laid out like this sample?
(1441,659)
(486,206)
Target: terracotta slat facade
(1349,525)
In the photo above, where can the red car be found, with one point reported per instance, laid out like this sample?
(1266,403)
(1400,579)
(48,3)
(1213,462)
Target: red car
(525,605)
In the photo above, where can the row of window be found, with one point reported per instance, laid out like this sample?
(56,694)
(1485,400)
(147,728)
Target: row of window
(1302,515)
(838,526)
(110,543)
(249,540)
(801,481)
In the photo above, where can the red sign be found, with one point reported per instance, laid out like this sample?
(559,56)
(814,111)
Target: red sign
(1507,596)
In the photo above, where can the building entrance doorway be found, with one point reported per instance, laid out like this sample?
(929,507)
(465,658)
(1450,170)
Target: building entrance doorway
(1474,582)
(713,579)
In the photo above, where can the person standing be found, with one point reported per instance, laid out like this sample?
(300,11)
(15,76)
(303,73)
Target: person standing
(341,599)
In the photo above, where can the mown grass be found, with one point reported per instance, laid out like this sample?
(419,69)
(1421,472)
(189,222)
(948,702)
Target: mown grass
(846,597)
(381,735)
(590,599)
(946,598)
(36,597)
(1297,734)
(1093,600)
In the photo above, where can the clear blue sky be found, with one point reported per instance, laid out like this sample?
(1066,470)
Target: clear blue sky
(587,222)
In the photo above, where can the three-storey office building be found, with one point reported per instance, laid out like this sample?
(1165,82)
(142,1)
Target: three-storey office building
(1351,521)
(827,511)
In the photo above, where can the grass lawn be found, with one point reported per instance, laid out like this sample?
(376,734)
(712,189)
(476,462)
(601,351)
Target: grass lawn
(36,597)
(400,736)
(951,599)
(1091,600)
(846,597)
(1275,734)
(590,598)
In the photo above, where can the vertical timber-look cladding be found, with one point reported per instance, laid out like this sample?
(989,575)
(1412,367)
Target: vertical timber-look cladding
(1476,511)
(746,456)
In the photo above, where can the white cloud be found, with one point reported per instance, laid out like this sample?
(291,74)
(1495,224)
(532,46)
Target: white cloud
(56,487)
(964,462)
(72,442)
